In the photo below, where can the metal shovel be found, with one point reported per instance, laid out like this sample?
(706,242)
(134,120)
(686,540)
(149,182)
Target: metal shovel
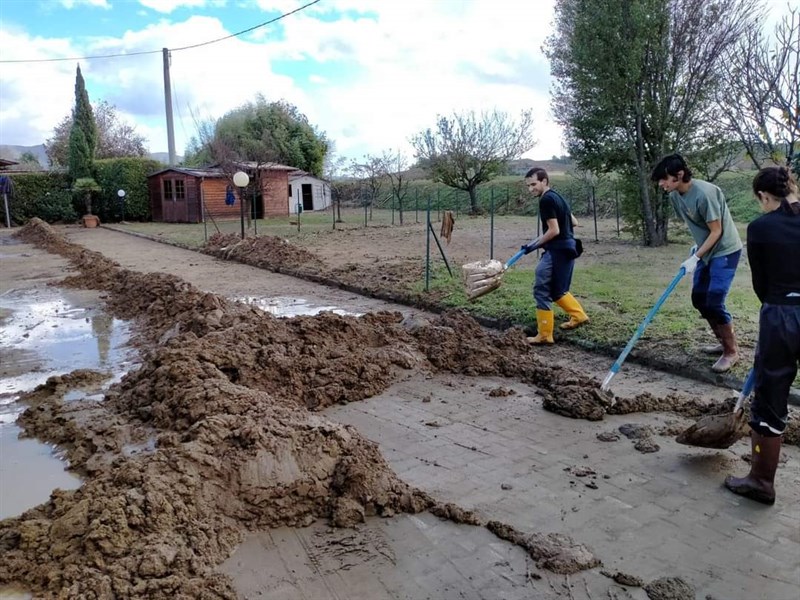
(640,330)
(720,431)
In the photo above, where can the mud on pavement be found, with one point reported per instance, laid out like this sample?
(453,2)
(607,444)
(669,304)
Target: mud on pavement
(222,414)
(221,411)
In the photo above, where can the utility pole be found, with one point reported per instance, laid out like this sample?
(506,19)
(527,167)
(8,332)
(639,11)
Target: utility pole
(168,105)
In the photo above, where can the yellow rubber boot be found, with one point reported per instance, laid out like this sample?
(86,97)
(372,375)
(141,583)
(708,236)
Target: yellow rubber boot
(544,325)
(570,305)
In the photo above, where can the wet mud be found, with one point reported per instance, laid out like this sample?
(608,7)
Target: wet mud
(553,551)
(222,414)
(669,588)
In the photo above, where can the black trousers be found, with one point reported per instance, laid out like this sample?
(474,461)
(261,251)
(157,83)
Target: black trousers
(776,364)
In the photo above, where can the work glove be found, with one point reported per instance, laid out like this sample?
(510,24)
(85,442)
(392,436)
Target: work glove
(528,248)
(690,264)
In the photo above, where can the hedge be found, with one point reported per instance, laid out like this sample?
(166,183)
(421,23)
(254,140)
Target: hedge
(45,195)
(129,174)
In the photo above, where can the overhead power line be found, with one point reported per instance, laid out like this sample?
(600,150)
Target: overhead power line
(227,37)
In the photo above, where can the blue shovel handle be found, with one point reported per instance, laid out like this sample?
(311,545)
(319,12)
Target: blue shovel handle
(640,330)
(747,389)
(515,258)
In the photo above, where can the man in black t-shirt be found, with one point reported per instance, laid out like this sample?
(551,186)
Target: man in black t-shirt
(554,271)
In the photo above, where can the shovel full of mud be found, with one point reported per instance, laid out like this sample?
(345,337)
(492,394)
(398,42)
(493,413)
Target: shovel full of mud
(485,276)
(720,431)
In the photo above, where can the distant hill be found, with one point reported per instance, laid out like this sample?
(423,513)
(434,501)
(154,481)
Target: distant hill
(12,152)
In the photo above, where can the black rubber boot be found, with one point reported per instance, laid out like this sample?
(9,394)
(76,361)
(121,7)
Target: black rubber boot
(759,484)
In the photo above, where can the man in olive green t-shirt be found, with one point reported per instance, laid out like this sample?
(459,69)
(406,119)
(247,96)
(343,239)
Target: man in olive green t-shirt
(702,207)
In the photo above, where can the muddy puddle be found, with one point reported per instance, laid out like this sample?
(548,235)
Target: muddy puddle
(288,306)
(45,333)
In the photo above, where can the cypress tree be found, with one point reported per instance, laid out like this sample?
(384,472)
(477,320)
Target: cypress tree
(83,135)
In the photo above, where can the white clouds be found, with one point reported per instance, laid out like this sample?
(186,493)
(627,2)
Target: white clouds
(370,73)
(70,4)
(167,6)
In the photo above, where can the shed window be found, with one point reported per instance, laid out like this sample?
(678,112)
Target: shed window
(174,189)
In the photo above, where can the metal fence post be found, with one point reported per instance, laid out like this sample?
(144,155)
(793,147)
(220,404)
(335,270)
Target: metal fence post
(491,224)
(594,210)
(616,203)
(428,248)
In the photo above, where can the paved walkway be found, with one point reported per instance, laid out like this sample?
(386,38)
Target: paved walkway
(651,515)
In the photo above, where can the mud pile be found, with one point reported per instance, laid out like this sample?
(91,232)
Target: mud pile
(267,252)
(212,436)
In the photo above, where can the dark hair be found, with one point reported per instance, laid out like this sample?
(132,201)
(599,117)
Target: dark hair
(779,182)
(671,165)
(539,173)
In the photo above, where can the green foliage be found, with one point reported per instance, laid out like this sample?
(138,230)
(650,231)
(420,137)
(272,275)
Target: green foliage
(44,195)
(84,188)
(83,134)
(635,83)
(129,174)
(262,132)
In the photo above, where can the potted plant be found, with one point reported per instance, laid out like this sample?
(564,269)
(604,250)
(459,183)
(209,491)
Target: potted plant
(86,186)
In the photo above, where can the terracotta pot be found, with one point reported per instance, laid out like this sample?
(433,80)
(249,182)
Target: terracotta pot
(90,221)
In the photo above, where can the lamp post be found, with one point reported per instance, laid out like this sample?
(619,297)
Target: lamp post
(121,194)
(240,180)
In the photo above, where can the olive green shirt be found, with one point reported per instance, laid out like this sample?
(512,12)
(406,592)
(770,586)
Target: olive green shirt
(705,202)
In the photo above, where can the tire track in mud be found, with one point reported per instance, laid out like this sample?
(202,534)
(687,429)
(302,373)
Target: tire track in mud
(228,395)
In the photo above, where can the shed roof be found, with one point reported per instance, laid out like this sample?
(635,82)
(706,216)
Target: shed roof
(208,172)
(298,173)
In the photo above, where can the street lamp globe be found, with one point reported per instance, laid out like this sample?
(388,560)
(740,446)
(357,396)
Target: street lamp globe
(121,193)
(240,179)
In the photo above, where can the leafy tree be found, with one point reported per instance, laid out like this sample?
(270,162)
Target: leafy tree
(371,170)
(115,137)
(467,149)
(83,133)
(29,160)
(635,80)
(760,103)
(261,131)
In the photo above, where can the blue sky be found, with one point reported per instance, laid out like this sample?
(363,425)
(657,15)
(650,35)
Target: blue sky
(370,73)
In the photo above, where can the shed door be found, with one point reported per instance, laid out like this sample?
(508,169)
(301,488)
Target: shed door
(174,201)
(308,197)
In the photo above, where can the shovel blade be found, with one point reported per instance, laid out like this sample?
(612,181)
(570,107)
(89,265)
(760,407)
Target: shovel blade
(715,431)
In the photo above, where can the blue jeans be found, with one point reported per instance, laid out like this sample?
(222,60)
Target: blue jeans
(553,277)
(712,282)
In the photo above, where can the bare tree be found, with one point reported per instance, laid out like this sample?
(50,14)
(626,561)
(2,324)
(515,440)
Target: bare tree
(468,149)
(372,172)
(761,100)
(395,166)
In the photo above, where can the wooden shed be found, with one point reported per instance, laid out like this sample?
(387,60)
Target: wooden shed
(312,193)
(186,195)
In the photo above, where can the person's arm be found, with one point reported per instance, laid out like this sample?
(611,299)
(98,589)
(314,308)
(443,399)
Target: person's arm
(715,233)
(551,233)
(756,257)
(573,220)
